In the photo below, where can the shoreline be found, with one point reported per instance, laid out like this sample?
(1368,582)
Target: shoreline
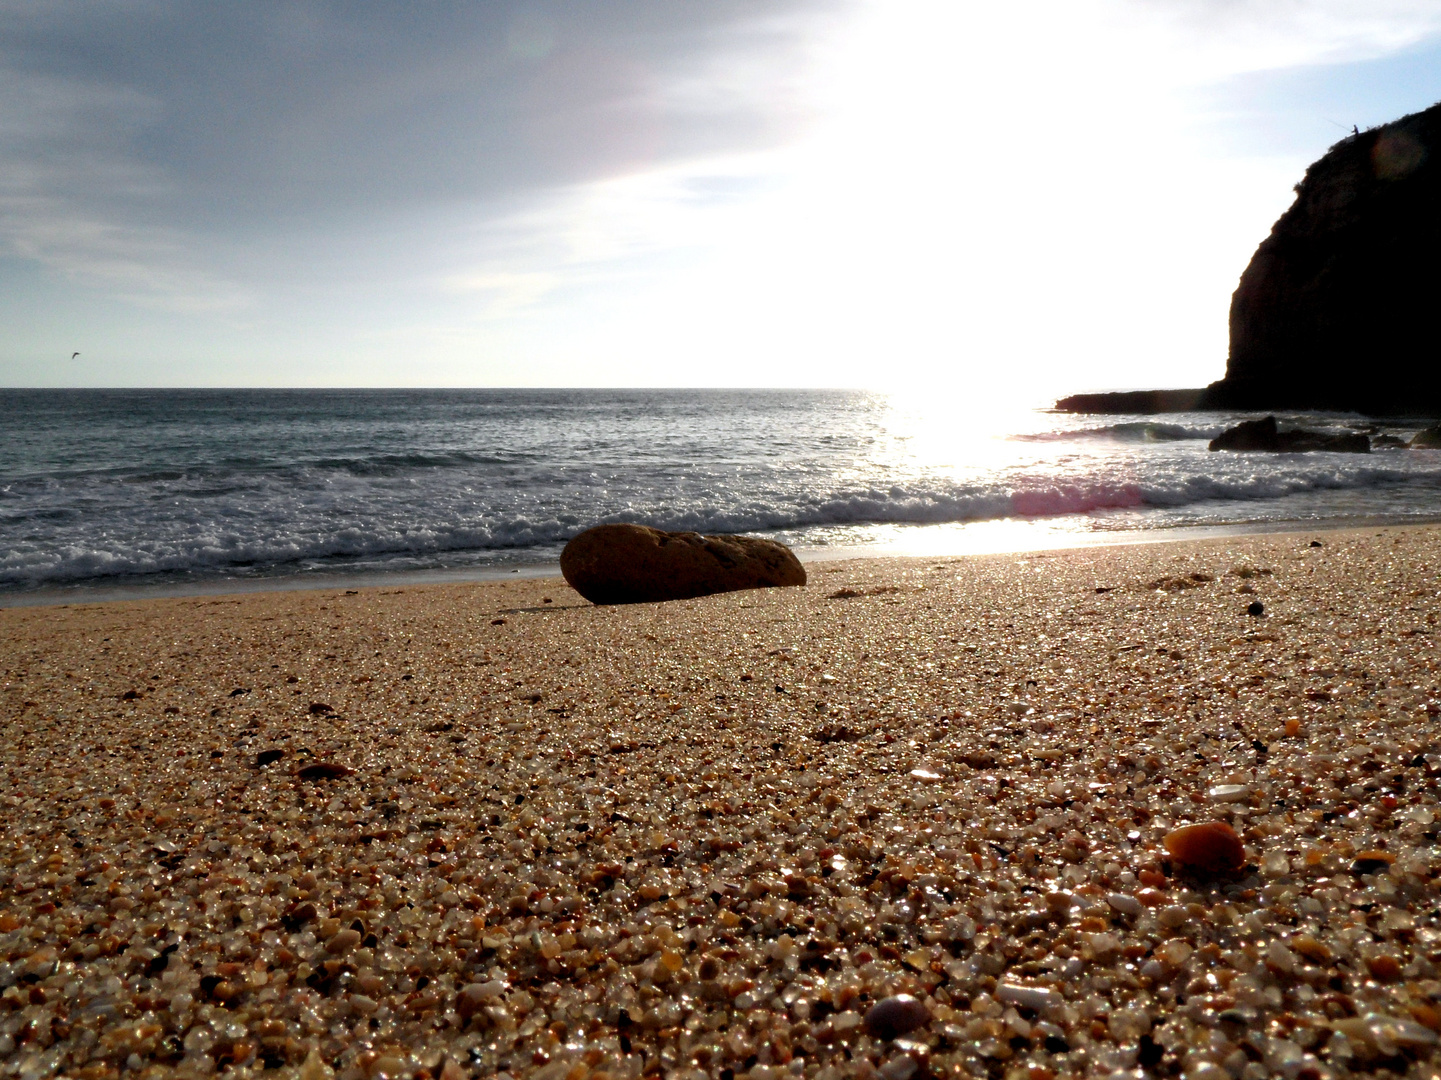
(1012,537)
(488,829)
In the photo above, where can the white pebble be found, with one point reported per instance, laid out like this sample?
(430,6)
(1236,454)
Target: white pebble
(898,1068)
(1229,793)
(1126,905)
(1280,957)
(1030,997)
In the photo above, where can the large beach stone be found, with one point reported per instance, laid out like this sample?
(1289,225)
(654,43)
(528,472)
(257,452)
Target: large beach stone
(634,564)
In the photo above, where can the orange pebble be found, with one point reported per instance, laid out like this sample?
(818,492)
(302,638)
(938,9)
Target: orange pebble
(1211,847)
(1293,727)
(1311,949)
(1384,967)
(1428,1015)
(1153,878)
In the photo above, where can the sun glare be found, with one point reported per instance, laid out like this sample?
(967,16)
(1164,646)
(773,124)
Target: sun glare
(987,206)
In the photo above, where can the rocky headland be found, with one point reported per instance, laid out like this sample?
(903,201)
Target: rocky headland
(1337,308)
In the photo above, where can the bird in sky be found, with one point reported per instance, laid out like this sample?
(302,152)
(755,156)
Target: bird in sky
(74,355)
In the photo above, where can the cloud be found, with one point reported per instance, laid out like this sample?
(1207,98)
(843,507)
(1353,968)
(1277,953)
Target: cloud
(146,145)
(324,108)
(504,294)
(153,267)
(67,184)
(1217,38)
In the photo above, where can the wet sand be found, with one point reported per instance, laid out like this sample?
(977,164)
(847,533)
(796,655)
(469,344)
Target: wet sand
(469,829)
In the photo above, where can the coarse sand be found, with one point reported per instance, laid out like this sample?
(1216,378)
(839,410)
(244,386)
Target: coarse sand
(472,830)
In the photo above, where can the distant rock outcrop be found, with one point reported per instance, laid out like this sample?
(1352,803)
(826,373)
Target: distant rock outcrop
(1144,402)
(633,564)
(1339,306)
(1264,435)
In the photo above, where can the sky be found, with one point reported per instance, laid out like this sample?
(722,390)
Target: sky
(1022,199)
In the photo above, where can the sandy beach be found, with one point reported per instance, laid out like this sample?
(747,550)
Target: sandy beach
(469,830)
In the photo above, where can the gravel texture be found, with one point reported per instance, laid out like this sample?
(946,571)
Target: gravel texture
(482,830)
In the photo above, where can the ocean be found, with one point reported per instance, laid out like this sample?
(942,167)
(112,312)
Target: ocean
(104,491)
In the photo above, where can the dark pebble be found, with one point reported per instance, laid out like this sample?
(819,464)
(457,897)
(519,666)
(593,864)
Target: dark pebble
(266,757)
(1256,608)
(892,1017)
(1369,866)
(298,916)
(1149,1053)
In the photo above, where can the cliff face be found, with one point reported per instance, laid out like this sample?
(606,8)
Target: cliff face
(1340,307)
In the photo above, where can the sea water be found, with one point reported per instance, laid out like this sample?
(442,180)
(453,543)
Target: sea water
(193,488)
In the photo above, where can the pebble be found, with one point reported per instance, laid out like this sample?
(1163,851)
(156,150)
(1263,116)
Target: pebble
(475,996)
(1211,847)
(1371,862)
(1124,903)
(1229,793)
(1387,1035)
(1255,609)
(1040,998)
(1384,967)
(894,1016)
(343,942)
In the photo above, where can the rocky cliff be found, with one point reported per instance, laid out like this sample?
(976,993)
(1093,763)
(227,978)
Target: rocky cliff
(1340,307)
